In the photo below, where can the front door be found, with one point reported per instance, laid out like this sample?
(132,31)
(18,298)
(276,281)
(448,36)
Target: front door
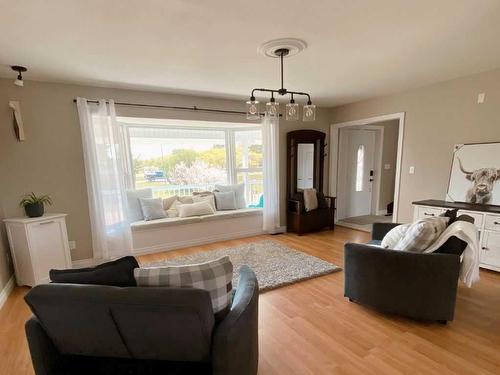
(358,152)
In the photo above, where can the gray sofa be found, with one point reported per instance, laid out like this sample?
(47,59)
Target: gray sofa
(96,329)
(419,286)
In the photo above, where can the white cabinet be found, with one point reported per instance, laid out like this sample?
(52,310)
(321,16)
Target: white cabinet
(487,222)
(38,245)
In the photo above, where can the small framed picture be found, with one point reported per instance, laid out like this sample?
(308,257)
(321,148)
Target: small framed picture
(475,174)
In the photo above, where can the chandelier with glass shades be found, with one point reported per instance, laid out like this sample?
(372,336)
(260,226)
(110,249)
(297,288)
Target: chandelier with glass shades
(272,107)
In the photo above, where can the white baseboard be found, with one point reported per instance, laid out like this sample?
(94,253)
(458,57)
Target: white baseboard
(381,212)
(4,294)
(195,242)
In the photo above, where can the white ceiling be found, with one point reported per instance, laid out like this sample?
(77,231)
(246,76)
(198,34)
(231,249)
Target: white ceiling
(356,48)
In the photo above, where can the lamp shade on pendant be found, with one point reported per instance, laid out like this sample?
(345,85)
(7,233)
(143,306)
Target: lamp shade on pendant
(272,108)
(253,110)
(292,111)
(309,113)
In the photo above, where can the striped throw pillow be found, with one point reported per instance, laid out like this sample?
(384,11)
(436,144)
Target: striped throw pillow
(422,234)
(214,276)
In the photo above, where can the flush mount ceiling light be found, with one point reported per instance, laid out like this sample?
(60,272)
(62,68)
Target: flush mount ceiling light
(19,69)
(281,48)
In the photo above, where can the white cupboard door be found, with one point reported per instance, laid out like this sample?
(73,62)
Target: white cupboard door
(490,250)
(48,248)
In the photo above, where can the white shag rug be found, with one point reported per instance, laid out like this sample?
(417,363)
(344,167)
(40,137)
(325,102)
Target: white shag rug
(274,264)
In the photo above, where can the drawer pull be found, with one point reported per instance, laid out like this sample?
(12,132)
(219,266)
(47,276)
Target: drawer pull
(426,214)
(485,248)
(496,223)
(46,222)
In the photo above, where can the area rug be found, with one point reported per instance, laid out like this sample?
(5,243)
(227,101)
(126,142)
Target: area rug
(274,264)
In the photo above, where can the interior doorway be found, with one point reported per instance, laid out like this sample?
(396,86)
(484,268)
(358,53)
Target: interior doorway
(365,170)
(356,171)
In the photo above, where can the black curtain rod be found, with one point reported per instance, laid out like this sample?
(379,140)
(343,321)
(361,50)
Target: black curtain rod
(193,108)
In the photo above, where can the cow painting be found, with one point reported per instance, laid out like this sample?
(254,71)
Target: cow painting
(483,181)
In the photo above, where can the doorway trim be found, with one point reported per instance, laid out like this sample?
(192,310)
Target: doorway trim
(334,152)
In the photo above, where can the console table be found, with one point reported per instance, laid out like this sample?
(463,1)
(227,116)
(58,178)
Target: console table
(486,219)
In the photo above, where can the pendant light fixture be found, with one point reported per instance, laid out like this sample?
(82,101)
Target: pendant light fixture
(282,48)
(19,69)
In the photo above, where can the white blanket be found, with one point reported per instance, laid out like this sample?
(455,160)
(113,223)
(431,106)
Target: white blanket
(469,268)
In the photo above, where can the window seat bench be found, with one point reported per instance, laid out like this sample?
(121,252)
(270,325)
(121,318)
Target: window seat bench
(172,233)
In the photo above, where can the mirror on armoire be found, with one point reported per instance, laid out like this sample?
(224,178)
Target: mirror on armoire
(305,167)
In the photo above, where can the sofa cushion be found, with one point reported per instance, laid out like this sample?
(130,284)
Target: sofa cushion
(239,193)
(119,272)
(170,324)
(152,208)
(133,204)
(174,221)
(214,276)
(422,233)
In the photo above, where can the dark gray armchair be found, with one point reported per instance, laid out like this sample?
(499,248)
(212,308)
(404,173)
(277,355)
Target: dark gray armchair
(95,329)
(420,286)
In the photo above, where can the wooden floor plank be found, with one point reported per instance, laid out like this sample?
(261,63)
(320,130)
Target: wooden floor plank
(310,328)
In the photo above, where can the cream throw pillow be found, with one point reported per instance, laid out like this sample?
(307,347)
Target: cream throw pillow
(195,209)
(168,202)
(205,198)
(310,199)
(394,235)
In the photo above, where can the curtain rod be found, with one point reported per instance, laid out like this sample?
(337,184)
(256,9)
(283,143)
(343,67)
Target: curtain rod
(193,108)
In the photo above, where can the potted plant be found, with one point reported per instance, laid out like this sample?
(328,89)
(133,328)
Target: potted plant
(33,205)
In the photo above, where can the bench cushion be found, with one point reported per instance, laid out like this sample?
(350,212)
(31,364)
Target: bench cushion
(218,215)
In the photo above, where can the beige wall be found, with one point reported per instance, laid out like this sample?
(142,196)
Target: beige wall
(50,161)
(437,117)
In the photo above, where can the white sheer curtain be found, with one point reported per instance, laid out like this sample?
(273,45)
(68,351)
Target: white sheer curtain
(105,170)
(270,143)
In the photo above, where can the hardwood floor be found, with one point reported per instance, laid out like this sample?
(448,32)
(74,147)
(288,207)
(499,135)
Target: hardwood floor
(310,328)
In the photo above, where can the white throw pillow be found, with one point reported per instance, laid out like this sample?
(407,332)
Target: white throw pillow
(310,199)
(134,206)
(239,193)
(225,200)
(195,209)
(215,276)
(205,198)
(152,208)
(394,235)
(422,234)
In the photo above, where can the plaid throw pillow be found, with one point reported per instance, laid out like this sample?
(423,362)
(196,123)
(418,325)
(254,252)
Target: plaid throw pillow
(421,234)
(215,276)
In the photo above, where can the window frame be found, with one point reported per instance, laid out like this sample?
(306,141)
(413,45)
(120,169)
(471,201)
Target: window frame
(229,139)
